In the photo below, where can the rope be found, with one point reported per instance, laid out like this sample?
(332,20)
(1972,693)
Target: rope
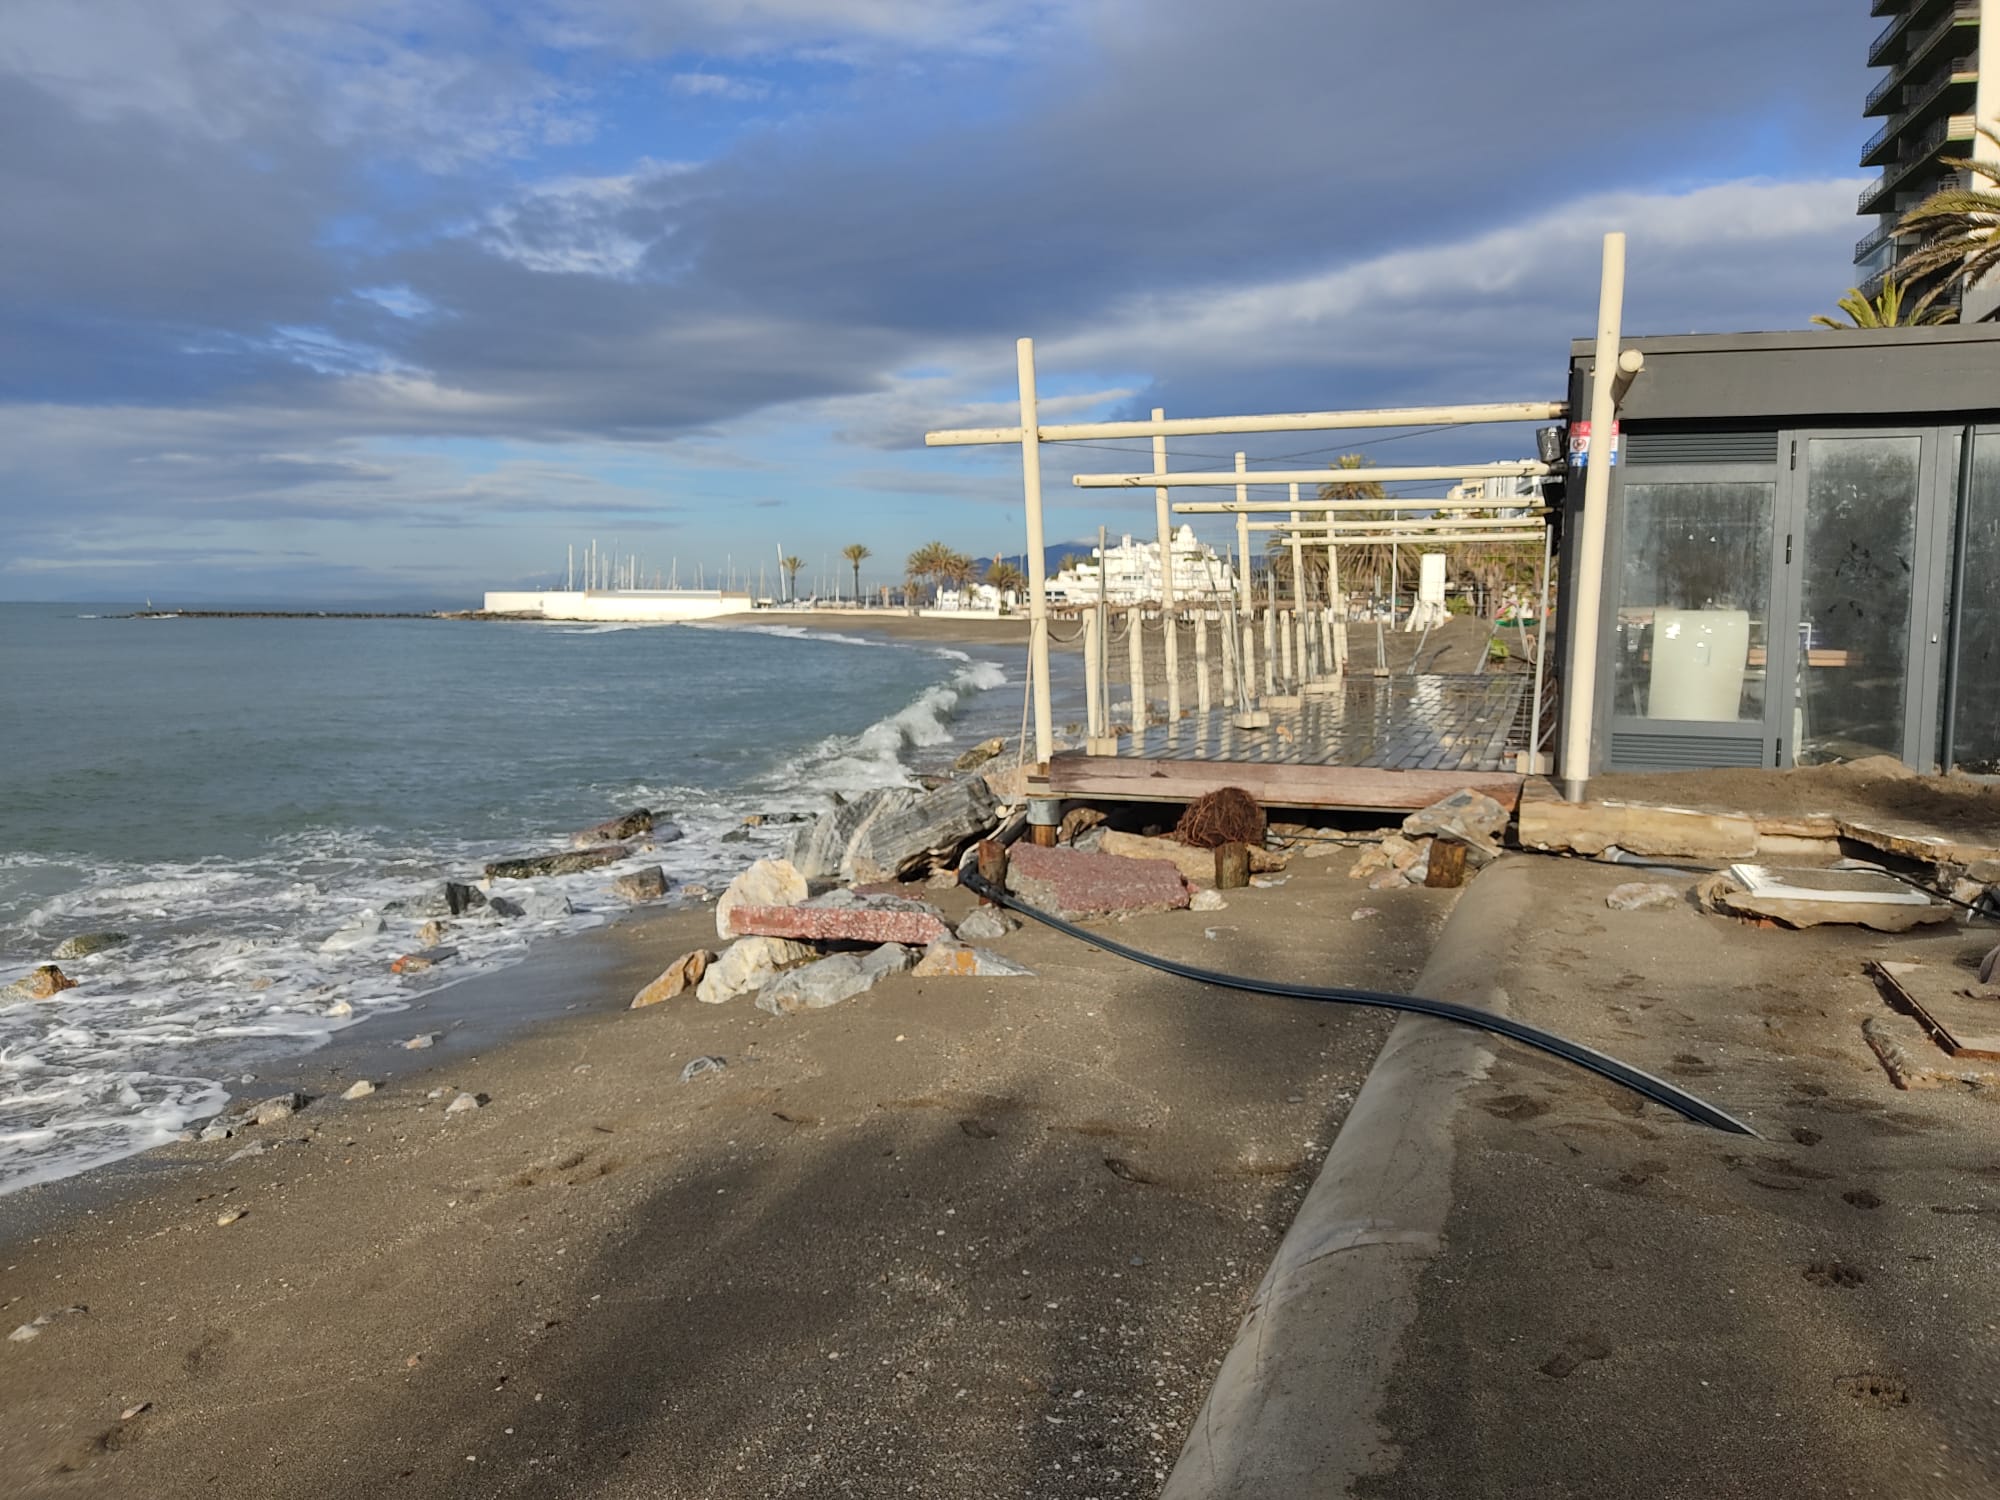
(1644,1084)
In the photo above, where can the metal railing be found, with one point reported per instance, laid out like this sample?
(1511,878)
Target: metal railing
(1880,92)
(1874,142)
(1923,95)
(1962,10)
(1872,241)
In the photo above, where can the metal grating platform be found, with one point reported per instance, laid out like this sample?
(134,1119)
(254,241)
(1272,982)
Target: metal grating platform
(1433,723)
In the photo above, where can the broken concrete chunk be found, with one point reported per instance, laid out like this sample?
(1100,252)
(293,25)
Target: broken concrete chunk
(615,830)
(877,919)
(1074,883)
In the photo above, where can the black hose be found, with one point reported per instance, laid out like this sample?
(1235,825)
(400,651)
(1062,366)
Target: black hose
(1658,1090)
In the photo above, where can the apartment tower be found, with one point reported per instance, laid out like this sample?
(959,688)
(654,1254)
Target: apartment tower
(1941,62)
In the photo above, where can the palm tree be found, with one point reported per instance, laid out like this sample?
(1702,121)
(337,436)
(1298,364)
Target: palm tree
(956,569)
(928,562)
(1885,310)
(856,554)
(1375,560)
(1961,229)
(1004,576)
(1067,561)
(791,565)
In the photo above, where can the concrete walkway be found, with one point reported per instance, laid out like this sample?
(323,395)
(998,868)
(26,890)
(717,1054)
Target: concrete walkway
(1512,1279)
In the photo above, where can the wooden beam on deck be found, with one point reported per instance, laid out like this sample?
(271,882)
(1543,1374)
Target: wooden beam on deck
(1353,788)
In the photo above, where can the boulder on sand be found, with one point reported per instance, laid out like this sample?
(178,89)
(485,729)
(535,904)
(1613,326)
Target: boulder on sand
(768,882)
(1473,818)
(649,884)
(683,974)
(750,964)
(927,831)
(844,916)
(570,862)
(895,833)
(614,830)
(957,961)
(832,980)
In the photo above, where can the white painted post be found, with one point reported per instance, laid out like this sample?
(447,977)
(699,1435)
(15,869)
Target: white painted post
(1093,677)
(1038,597)
(1136,637)
(1580,692)
(1201,696)
(1285,637)
(1244,602)
(1167,621)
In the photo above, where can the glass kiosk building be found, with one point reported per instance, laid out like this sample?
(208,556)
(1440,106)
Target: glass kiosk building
(1802,562)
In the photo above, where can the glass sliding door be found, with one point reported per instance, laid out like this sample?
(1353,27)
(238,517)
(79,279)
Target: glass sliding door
(1973,680)
(1857,591)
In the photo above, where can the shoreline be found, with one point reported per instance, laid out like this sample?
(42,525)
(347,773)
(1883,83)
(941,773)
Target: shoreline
(497,999)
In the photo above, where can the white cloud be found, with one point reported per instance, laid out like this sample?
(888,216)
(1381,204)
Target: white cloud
(705,85)
(586,226)
(1518,287)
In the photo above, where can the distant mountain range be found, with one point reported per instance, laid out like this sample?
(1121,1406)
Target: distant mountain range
(1052,556)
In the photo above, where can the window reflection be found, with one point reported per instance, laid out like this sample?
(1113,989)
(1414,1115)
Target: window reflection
(1694,594)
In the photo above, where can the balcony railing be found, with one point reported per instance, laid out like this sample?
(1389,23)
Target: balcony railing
(1876,141)
(1869,243)
(1960,12)
(1880,92)
(1921,153)
(1886,36)
(1921,96)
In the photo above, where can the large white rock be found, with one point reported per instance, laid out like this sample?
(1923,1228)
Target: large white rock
(769,882)
(749,964)
(832,980)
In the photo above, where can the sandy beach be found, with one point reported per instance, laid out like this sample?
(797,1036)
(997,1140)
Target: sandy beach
(954,1235)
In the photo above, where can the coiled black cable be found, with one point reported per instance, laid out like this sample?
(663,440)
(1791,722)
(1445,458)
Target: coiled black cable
(1644,1084)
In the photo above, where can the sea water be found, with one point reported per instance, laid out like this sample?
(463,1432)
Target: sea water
(230,793)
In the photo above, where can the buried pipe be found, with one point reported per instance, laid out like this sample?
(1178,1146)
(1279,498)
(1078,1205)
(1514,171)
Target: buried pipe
(1644,1084)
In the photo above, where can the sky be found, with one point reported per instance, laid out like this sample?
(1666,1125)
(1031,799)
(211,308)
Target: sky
(353,300)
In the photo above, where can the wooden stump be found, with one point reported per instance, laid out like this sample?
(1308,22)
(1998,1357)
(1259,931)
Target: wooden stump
(992,866)
(1447,865)
(1232,866)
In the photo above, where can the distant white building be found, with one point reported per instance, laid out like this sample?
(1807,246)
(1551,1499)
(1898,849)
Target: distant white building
(1131,572)
(982,597)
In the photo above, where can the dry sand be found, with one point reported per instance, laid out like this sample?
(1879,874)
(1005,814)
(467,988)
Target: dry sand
(953,1237)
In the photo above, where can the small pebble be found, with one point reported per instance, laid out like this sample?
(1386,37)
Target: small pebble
(255,1148)
(361,1088)
(700,1065)
(1363,913)
(465,1104)
(229,1216)
(132,1411)
(419,1042)
(25,1332)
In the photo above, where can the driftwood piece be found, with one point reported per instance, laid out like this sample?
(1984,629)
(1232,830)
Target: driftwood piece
(1232,867)
(1446,867)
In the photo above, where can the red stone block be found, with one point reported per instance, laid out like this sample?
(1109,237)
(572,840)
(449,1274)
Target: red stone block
(1076,883)
(838,924)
